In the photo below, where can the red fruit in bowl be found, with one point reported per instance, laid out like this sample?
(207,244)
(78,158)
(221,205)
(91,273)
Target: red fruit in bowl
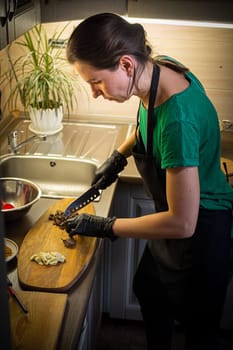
(6,205)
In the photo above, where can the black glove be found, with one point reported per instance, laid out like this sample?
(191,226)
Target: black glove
(107,173)
(91,225)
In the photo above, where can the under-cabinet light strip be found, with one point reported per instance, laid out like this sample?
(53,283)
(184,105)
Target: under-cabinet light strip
(180,22)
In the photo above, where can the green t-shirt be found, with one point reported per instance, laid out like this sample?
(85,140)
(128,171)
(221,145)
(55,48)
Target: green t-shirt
(187,133)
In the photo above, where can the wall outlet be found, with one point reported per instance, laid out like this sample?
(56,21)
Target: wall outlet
(59,43)
(226,125)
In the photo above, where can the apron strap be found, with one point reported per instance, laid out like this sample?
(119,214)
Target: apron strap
(150,114)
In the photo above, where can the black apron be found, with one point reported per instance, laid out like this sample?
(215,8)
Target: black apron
(171,254)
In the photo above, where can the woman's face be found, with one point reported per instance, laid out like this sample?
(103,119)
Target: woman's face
(112,85)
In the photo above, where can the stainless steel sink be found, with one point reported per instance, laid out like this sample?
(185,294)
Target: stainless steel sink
(57,177)
(63,165)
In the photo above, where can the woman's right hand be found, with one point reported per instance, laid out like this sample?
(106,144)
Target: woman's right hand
(108,172)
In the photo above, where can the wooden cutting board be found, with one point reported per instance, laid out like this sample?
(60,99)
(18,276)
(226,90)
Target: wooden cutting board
(40,327)
(45,236)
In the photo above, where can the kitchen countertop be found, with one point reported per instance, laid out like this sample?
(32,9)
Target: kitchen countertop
(79,294)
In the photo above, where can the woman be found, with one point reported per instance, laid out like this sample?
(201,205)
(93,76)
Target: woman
(185,268)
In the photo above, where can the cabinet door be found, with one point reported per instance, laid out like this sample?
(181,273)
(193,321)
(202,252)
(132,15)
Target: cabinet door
(204,10)
(19,19)
(61,10)
(123,256)
(3,27)
(3,37)
(23,20)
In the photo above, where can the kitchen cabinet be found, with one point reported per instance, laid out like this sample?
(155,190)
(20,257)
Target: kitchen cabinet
(3,36)
(61,10)
(26,17)
(123,255)
(204,10)
(92,320)
(208,10)
(16,18)
(3,27)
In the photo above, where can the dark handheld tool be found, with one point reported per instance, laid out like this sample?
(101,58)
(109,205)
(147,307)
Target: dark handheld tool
(15,296)
(86,198)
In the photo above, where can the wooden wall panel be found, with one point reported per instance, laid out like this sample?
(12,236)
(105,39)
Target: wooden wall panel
(213,64)
(208,52)
(222,100)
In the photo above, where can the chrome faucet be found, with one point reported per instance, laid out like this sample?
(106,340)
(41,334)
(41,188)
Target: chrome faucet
(13,144)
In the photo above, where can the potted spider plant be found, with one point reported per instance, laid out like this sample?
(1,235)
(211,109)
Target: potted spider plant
(38,80)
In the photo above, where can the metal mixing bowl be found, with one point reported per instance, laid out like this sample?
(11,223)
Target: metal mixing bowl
(21,193)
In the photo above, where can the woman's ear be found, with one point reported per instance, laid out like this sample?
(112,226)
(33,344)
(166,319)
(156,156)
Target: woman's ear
(127,63)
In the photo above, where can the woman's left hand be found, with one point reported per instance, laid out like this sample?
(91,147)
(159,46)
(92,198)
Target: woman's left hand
(91,225)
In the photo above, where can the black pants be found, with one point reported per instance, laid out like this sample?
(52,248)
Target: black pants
(194,299)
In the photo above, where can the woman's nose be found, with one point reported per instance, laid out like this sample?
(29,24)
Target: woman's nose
(95,91)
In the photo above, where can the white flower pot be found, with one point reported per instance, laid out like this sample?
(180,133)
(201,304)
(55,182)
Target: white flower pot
(47,122)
